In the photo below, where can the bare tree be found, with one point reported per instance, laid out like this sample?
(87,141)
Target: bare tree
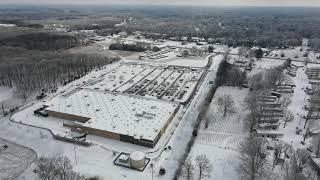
(280,150)
(285,101)
(301,158)
(45,169)
(243,51)
(316,145)
(308,117)
(209,118)
(57,168)
(235,77)
(206,123)
(63,167)
(252,104)
(253,158)
(185,53)
(194,50)
(273,77)
(204,166)
(226,104)
(290,171)
(257,82)
(2,108)
(251,121)
(287,117)
(188,169)
(294,168)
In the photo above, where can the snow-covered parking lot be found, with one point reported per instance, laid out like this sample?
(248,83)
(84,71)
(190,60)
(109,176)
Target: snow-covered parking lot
(14,159)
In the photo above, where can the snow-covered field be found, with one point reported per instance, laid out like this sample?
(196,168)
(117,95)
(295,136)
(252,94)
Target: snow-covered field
(294,54)
(223,160)
(220,141)
(265,63)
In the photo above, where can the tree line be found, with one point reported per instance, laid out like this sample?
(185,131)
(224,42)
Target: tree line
(230,75)
(44,41)
(31,72)
(128,47)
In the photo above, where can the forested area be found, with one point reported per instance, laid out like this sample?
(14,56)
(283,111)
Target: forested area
(128,47)
(33,71)
(315,44)
(43,41)
(266,27)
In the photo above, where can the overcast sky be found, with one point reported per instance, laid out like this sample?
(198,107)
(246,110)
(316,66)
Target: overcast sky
(175,2)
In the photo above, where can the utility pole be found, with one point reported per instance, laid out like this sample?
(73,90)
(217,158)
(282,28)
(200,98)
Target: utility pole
(75,154)
(151,165)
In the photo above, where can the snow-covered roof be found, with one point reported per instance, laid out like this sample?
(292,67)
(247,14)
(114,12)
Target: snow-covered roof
(117,113)
(315,130)
(316,161)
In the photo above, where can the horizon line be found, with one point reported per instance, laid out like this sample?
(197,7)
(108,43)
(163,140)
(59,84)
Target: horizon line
(157,4)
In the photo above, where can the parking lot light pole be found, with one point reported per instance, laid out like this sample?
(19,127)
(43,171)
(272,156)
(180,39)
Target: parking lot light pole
(151,165)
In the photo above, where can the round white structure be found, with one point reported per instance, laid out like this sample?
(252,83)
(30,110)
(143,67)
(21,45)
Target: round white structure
(137,159)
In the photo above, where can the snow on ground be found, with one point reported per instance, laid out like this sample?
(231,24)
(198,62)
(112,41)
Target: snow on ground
(220,48)
(219,142)
(266,63)
(98,159)
(176,61)
(14,159)
(188,62)
(9,99)
(7,25)
(294,54)
(90,160)
(173,60)
(170,159)
(299,99)
(234,50)
(5,93)
(314,56)
(224,161)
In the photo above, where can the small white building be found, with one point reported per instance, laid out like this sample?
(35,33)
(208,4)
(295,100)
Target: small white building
(123,34)
(184,38)
(210,40)
(195,39)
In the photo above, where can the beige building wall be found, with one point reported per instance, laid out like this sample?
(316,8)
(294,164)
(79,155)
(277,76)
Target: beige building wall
(102,133)
(67,116)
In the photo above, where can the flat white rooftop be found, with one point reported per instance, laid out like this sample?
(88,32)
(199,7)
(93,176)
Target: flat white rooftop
(116,113)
